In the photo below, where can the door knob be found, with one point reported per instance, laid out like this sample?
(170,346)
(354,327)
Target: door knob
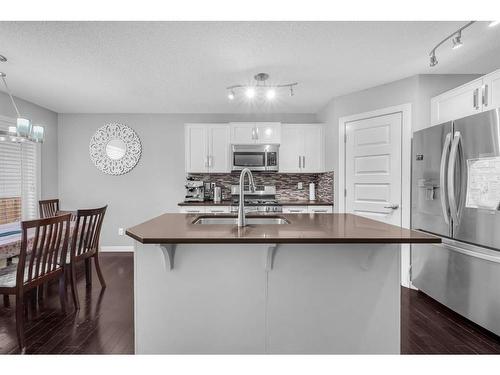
(393,206)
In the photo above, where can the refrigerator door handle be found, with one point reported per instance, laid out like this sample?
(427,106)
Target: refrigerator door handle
(456,146)
(442,177)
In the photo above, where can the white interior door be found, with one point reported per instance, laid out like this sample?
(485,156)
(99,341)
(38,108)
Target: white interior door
(373,168)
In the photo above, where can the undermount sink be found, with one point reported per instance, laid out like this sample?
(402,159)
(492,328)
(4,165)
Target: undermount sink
(234,220)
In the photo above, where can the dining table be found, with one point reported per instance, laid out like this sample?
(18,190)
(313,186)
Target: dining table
(11,233)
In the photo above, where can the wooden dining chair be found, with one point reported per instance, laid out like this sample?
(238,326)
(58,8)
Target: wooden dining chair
(48,207)
(85,247)
(44,247)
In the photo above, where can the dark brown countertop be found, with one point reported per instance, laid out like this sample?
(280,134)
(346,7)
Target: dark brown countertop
(302,228)
(298,202)
(295,202)
(205,203)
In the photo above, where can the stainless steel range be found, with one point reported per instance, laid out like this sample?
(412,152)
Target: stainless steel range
(263,199)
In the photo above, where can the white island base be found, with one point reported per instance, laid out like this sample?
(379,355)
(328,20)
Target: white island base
(256,299)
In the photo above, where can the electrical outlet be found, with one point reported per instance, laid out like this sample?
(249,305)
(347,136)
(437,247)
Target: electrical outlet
(121,231)
(299,186)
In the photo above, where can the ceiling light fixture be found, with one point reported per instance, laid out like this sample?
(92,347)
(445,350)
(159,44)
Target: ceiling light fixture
(456,38)
(270,94)
(260,89)
(494,23)
(23,131)
(250,92)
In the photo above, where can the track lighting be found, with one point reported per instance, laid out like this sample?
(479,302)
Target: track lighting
(259,90)
(456,38)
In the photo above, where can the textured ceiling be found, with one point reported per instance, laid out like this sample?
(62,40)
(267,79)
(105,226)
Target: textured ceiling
(184,67)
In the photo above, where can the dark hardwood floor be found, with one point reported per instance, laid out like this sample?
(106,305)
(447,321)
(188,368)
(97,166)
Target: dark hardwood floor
(428,327)
(105,323)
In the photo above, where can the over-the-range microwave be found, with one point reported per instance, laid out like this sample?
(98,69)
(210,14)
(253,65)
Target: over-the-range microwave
(255,157)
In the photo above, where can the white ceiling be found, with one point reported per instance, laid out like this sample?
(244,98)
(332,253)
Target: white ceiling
(184,67)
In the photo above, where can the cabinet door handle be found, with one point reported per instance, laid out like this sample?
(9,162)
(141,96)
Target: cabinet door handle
(485,95)
(475,101)
(299,163)
(217,211)
(210,160)
(256,133)
(303,161)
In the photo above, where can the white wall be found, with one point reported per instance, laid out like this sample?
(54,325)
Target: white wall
(47,118)
(416,90)
(154,186)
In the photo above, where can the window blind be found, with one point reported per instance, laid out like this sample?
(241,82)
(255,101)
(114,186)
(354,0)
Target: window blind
(18,180)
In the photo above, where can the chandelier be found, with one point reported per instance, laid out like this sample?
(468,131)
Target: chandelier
(260,89)
(24,129)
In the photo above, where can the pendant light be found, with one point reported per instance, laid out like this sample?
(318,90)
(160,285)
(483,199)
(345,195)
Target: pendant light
(24,130)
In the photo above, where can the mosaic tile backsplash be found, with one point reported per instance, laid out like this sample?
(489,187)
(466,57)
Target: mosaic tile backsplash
(286,183)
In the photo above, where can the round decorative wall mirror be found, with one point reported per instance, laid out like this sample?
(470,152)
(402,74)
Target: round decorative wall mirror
(115,149)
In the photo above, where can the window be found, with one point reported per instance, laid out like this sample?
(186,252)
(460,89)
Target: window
(18,179)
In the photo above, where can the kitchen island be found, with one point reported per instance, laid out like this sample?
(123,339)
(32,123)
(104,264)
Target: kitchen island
(305,284)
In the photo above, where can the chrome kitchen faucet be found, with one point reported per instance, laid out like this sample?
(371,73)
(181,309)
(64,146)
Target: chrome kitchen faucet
(251,185)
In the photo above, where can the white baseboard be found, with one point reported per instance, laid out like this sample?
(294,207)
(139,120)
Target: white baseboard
(115,249)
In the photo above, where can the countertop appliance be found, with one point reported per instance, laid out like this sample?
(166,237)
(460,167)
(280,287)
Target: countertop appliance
(455,191)
(195,191)
(263,199)
(263,158)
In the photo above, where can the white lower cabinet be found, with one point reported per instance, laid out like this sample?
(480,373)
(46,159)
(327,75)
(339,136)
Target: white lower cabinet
(218,209)
(204,209)
(320,209)
(295,209)
(326,209)
(192,209)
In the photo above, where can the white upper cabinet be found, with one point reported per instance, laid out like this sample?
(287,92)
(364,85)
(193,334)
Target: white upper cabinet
(207,148)
(302,148)
(476,96)
(491,91)
(196,144)
(290,159)
(219,159)
(243,133)
(460,102)
(314,149)
(255,133)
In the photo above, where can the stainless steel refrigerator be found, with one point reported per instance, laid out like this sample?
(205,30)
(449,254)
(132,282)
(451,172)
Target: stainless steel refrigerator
(453,168)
